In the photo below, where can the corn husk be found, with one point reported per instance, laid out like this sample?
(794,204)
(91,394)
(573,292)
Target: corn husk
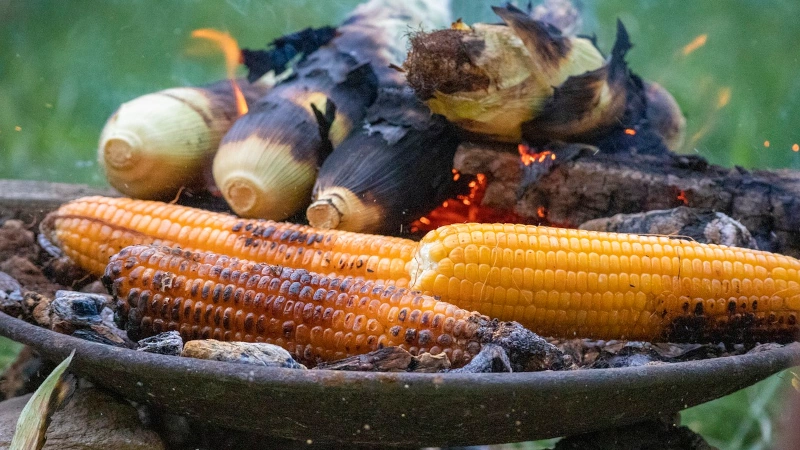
(665,115)
(156,144)
(490,79)
(267,163)
(389,172)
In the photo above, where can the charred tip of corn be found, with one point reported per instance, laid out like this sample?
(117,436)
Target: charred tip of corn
(324,214)
(440,61)
(48,239)
(340,208)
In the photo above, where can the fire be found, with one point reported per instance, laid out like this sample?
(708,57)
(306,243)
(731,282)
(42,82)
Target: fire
(630,131)
(541,212)
(696,43)
(233,55)
(465,208)
(529,158)
(682,197)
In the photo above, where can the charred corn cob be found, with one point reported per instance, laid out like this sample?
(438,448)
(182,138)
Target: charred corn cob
(490,79)
(91,229)
(393,169)
(565,282)
(267,163)
(204,295)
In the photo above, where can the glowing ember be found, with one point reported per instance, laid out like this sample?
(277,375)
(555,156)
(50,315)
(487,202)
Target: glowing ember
(541,212)
(527,157)
(696,43)
(465,208)
(682,197)
(233,56)
(630,131)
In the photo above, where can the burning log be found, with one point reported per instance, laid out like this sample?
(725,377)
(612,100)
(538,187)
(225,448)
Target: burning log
(267,162)
(601,185)
(704,226)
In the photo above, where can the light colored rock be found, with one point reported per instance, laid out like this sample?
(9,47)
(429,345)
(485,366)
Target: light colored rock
(259,354)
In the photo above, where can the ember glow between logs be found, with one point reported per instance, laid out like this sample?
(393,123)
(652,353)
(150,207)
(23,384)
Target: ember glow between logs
(233,57)
(529,158)
(465,208)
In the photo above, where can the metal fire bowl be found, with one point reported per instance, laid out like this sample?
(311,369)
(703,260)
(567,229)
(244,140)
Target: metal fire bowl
(403,409)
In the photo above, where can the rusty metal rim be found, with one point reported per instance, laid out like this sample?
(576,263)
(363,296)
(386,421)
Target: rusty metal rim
(585,396)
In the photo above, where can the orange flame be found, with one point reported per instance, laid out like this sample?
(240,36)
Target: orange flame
(465,208)
(696,43)
(682,197)
(233,55)
(529,158)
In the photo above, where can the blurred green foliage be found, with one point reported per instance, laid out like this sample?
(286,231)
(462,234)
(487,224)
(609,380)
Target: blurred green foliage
(66,65)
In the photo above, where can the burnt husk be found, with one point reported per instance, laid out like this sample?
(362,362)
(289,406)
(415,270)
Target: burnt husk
(400,160)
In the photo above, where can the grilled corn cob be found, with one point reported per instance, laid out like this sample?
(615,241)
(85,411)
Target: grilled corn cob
(204,295)
(91,229)
(565,282)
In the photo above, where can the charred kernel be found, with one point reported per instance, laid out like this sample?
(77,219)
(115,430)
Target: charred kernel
(217,293)
(698,309)
(317,316)
(424,337)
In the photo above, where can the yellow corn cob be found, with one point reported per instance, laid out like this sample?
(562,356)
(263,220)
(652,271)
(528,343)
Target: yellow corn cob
(91,229)
(564,282)
(203,295)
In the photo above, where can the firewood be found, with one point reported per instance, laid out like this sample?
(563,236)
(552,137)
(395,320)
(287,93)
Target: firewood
(766,202)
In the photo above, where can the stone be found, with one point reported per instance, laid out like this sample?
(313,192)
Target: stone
(259,354)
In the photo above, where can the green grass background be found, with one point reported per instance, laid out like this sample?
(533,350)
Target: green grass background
(66,65)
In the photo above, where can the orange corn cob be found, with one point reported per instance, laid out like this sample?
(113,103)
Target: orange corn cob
(565,282)
(91,229)
(204,295)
